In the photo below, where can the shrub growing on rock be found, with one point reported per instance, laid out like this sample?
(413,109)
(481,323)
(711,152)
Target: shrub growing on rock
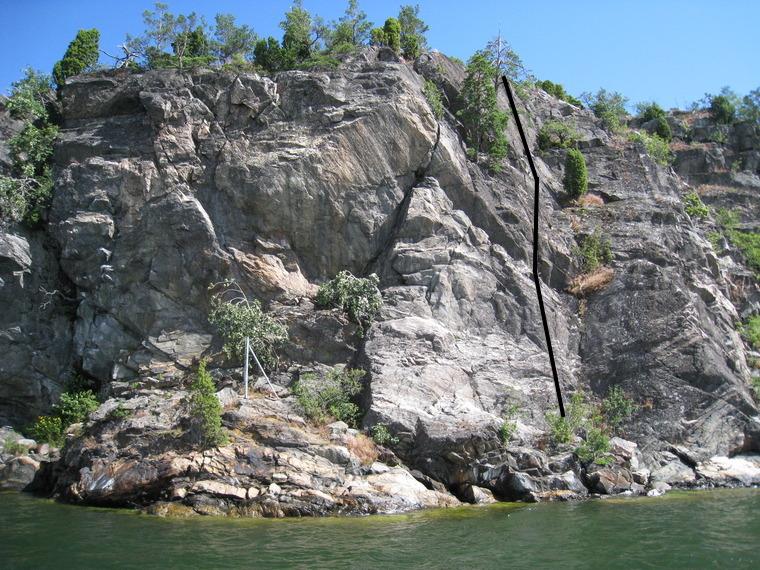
(594,251)
(722,109)
(236,317)
(75,407)
(694,206)
(81,55)
(433,95)
(48,429)
(556,134)
(607,106)
(392,34)
(656,147)
(508,426)
(748,242)
(358,297)
(559,428)
(750,330)
(617,407)
(650,110)
(323,398)
(595,447)
(576,175)
(558,91)
(381,435)
(13,447)
(662,129)
(206,409)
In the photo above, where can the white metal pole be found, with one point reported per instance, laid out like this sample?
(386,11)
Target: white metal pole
(245,366)
(261,368)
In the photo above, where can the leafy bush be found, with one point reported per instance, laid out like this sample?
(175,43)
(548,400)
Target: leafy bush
(392,34)
(722,109)
(662,129)
(119,413)
(655,146)
(556,134)
(331,396)
(508,426)
(382,435)
(595,447)
(558,90)
(607,106)
(13,447)
(649,110)
(617,407)
(695,207)
(235,317)
(433,95)
(48,429)
(576,175)
(81,55)
(26,193)
(75,407)
(751,331)
(358,297)
(206,409)
(746,242)
(559,428)
(595,250)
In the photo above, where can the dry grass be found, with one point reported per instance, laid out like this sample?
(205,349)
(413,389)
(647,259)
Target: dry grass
(364,448)
(590,200)
(591,282)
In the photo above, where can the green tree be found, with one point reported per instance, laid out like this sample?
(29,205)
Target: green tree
(749,109)
(607,106)
(483,121)
(505,60)
(558,90)
(412,30)
(649,110)
(352,29)
(25,194)
(81,55)
(377,37)
(269,55)
(296,39)
(232,41)
(722,109)
(392,34)
(576,174)
(206,409)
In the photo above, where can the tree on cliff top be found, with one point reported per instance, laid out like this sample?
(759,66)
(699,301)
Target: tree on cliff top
(412,30)
(484,122)
(232,41)
(352,29)
(81,55)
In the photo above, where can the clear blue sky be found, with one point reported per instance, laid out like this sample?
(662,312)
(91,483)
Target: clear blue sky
(672,51)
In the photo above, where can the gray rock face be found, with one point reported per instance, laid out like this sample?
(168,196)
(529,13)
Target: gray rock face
(170,181)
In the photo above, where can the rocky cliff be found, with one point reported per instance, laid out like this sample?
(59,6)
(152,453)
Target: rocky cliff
(168,181)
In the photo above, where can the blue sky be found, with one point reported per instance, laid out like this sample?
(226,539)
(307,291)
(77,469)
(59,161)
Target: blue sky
(672,51)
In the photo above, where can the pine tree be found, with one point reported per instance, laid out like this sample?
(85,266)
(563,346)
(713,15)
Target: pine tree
(81,55)
(484,122)
(576,175)
(206,409)
(392,34)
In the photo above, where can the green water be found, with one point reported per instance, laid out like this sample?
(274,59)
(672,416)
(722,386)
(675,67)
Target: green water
(706,529)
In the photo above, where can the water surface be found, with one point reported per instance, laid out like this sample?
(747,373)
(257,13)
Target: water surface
(699,529)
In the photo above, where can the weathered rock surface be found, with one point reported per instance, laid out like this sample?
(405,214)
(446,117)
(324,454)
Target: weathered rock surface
(170,181)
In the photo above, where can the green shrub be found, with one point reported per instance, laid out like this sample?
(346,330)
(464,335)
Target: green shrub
(595,250)
(119,413)
(75,407)
(556,134)
(558,91)
(330,397)
(655,146)
(377,37)
(595,447)
(508,426)
(649,111)
(48,429)
(382,435)
(206,409)
(662,129)
(695,208)
(235,317)
(81,55)
(607,106)
(559,428)
(358,297)
(392,34)
(722,109)
(433,95)
(13,447)
(576,175)
(617,407)
(750,330)
(748,243)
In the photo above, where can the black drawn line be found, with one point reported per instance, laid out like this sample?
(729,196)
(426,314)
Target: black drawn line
(536,279)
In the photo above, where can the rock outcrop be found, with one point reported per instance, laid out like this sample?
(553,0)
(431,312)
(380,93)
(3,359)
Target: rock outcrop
(169,181)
